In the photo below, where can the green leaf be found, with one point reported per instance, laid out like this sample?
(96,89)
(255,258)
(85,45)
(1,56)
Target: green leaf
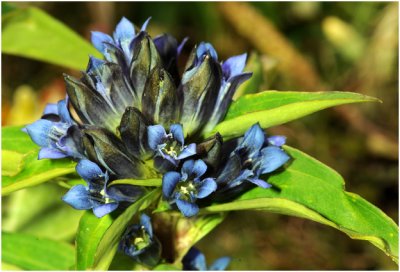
(33,253)
(97,238)
(34,34)
(253,84)
(21,166)
(309,189)
(166,267)
(46,215)
(138,182)
(271,108)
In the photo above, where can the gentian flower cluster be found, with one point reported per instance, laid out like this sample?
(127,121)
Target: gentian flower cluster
(136,117)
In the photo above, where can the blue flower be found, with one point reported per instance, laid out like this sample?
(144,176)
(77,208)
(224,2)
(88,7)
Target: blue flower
(195,260)
(255,155)
(184,188)
(56,133)
(139,243)
(97,195)
(170,146)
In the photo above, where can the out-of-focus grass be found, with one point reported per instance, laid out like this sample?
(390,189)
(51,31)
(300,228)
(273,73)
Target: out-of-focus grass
(359,141)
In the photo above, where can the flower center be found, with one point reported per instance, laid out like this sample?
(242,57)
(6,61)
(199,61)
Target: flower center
(171,147)
(142,240)
(187,190)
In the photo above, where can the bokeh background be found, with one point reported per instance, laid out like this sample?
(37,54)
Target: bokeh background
(299,46)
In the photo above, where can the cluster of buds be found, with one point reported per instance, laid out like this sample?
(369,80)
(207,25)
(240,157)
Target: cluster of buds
(137,117)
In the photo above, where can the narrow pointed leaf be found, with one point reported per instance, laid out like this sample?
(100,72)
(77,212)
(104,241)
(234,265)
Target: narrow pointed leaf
(309,189)
(29,171)
(138,182)
(32,33)
(271,108)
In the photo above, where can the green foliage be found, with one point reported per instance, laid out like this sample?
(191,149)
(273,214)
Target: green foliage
(20,166)
(34,34)
(138,182)
(46,215)
(271,108)
(309,189)
(33,253)
(97,239)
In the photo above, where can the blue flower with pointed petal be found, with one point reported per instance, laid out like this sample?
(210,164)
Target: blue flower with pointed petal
(185,187)
(139,243)
(195,260)
(56,133)
(97,195)
(170,146)
(255,155)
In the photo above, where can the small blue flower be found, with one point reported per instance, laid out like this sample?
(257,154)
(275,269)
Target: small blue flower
(56,133)
(184,188)
(96,195)
(139,243)
(195,260)
(255,155)
(170,146)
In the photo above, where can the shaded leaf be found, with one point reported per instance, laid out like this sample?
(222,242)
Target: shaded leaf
(34,34)
(30,171)
(309,189)
(271,108)
(33,253)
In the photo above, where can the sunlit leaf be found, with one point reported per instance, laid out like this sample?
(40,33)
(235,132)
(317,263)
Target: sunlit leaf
(138,182)
(309,189)
(34,34)
(33,253)
(30,171)
(271,108)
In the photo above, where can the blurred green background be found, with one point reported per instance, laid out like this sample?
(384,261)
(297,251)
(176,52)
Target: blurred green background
(301,46)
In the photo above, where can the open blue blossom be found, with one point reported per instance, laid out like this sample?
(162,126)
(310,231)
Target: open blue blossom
(185,187)
(139,243)
(56,133)
(96,195)
(255,155)
(170,146)
(195,260)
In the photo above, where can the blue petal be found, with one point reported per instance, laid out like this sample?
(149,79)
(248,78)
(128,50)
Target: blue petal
(234,66)
(199,168)
(188,151)
(243,175)
(101,210)
(88,170)
(259,182)
(125,31)
(194,260)
(169,181)
(124,192)
(277,140)
(205,48)
(188,209)
(39,132)
(253,140)
(144,26)
(155,136)
(187,168)
(180,47)
(145,221)
(51,108)
(51,153)
(98,40)
(63,111)
(272,158)
(208,186)
(177,132)
(94,65)
(78,197)
(220,264)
